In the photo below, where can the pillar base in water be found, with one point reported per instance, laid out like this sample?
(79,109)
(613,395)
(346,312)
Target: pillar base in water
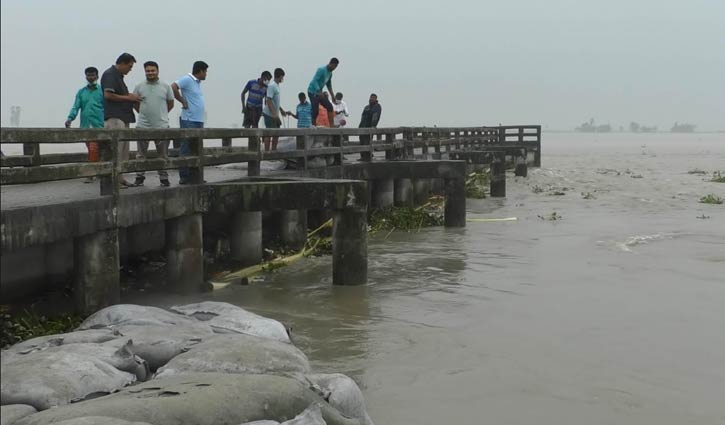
(246,237)
(97,280)
(383,193)
(403,192)
(293,227)
(184,253)
(350,247)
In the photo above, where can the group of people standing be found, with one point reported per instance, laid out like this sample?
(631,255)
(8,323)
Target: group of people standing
(111,105)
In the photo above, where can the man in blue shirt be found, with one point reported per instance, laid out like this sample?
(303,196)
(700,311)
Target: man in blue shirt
(89,101)
(252,108)
(187,90)
(322,79)
(304,112)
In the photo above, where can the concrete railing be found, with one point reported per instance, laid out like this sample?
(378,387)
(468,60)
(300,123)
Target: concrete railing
(397,143)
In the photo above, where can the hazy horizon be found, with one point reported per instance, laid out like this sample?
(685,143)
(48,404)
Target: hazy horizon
(557,63)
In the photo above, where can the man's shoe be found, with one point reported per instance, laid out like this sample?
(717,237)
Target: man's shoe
(139,181)
(165,182)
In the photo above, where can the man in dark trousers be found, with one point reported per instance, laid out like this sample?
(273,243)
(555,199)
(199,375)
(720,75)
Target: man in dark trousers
(371,113)
(322,79)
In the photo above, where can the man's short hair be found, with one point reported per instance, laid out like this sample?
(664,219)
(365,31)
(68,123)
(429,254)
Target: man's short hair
(125,58)
(334,61)
(91,70)
(301,95)
(278,72)
(151,63)
(373,94)
(267,75)
(338,95)
(199,66)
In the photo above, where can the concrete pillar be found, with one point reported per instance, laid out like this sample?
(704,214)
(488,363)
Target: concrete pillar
(185,253)
(97,280)
(455,207)
(246,237)
(384,193)
(421,190)
(498,176)
(293,228)
(403,192)
(350,247)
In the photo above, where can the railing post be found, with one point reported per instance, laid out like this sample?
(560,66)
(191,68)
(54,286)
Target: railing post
(227,142)
(457,143)
(196,174)
(437,145)
(537,153)
(424,145)
(365,140)
(253,145)
(396,153)
(109,153)
(303,142)
(501,134)
(337,143)
(34,149)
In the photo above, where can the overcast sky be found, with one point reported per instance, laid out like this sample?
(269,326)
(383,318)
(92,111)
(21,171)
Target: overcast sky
(456,62)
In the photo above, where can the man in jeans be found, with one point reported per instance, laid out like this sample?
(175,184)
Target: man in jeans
(89,101)
(118,102)
(187,90)
(157,100)
(322,79)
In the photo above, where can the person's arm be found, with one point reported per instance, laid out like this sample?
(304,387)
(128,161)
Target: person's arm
(292,114)
(329,89)
(136,105)
(169,99)
(177,96)
(244,94)
(376,115)
(74,110)
(113,97)
(344,110)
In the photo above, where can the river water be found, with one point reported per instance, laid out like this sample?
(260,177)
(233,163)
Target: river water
(612,314)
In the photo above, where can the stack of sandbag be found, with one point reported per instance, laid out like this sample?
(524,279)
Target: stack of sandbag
(203,363)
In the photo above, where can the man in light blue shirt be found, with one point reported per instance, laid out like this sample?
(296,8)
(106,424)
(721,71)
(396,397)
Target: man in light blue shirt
(187,90)
(272,109)
(322,79)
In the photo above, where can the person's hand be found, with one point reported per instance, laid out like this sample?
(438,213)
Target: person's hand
(184,105)
(133,97)
(244,109)
(67,123)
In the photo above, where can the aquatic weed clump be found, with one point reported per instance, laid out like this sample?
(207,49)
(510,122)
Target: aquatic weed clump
(17,327)
(718,177)
(477,183)
(408,218)
(711,199)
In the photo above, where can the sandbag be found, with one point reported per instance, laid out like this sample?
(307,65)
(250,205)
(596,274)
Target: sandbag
(342,393)
(201,399)
(43,342)
(58,375)
(157,344)
(131,314)
(239,353)
(228,318)
(13,412)
(99,420)
(311,416)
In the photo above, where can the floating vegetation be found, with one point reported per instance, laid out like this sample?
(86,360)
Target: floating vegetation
(718,177)
(477,183)
(711,199)
(537,189)
(554,216)
(703,217)
(408,218)
(588,195)
(698,172)
(17,327)
(636,176)
(557,193)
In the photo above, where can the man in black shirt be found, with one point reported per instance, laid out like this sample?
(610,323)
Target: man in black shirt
(118,102)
